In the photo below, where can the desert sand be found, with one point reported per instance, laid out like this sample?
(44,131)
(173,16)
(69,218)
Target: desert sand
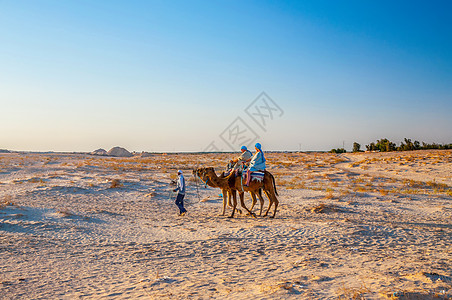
(349,226)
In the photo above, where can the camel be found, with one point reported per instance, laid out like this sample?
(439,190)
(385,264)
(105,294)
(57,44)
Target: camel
(268,185)
(226,191)
(252,193)
(235,183)
(210,177)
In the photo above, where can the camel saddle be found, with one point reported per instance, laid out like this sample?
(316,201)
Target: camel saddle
(256,175)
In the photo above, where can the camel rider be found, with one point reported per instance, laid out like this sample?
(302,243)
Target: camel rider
(257,163)
(243,159)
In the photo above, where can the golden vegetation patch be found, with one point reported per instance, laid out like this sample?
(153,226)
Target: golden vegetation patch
(115,183)
(323,208)
(65,213)
(353,293)
(6,201)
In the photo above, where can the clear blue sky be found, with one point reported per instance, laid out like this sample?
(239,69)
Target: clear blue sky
(173,75)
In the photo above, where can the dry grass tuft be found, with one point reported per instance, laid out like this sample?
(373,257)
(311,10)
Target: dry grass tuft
(6,201)
(323,208)
(405,295)
(65,213)
(383,192)
(115,183)
(353,293)
(329,194)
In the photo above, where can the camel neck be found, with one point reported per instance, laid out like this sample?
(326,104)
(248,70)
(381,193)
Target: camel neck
(217,180)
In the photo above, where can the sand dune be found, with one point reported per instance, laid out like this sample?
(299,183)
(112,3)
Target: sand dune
(351,226)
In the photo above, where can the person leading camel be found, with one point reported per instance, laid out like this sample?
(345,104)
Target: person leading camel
(257,163)
(181,193)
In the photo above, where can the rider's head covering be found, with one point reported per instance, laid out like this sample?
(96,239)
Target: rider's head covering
(179,172)
(244,148)
(259,148)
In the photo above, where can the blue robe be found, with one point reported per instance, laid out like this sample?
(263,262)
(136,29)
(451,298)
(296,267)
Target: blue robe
(257,162)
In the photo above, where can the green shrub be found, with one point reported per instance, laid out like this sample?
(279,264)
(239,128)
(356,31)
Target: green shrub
(338,150)
(356,147)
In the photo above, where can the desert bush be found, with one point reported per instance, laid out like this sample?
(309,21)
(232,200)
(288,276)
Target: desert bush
(345,193)
(6,201)
(437,185)
(355,164)
(352,293)
(115,183)
(338,150)
(323,208)
(426,146)
(409,146)
(382,145)
(371,147)
(65,213)
(329,193)
(385,145)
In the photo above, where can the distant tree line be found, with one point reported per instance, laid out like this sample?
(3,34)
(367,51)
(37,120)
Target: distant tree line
(385,145)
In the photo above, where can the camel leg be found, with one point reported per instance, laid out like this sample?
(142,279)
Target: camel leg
(229,201)
(253,196)
(270,202)
(273,200)
(242,203)
(261,199)
(224,201)
(276,206)
(237,209)
(229,198)
(234,198)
